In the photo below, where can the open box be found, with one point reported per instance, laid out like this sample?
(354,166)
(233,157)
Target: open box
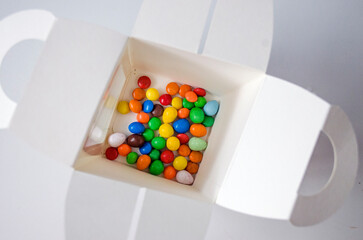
(264,133)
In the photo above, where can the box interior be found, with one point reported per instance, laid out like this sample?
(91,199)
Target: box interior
(234,86)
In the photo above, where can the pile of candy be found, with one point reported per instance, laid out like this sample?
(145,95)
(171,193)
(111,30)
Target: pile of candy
(171,145)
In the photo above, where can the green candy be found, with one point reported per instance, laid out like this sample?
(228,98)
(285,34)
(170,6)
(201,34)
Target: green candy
(197,144)
(158,143)
(208,121)
(132,158)
(148,134)
(154,123)
(154,154)
(200,102)
(187,104)
(196,115)
(156,167)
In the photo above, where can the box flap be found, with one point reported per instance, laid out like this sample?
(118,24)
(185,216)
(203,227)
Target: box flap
(67,84)
(241,32)
(273,153)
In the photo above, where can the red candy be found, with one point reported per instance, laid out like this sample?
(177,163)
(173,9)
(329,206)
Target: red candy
(111,153)
(167,156)
(165,99)
(200,92)
(144,82)
(183,138)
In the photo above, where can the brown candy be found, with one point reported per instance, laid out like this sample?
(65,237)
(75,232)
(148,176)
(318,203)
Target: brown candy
(192,168)
(158,110)
(135,140)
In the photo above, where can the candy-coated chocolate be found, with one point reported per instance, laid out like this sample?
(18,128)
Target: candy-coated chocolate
(154,123)
(192,168)
(142,117)
(187,104)
(167,156)
(184,177)
(166,130)
(132,158)
(183,138)
(143,162)
(181,126)
(144,82)
(158,143)
(197,144)
(169,172)
(198,130)
(135,106)
(196,115)
(158,110)
(183,113)
(148,134)
(184,89)
(211,108)
(173,143)
(136,127)
(169,115)
(184,150)
(147,106)
(135,140)
(180,163)
(191,96)
(124,149)
(200,102)
(156,167)
(196,156)
(208,121)
(172,88)
(154,154)
(177,102)
(138,94)
(116,139)
(200,91)
(111,153)
(146,148)
(152,94)
(123,107)
(165,99)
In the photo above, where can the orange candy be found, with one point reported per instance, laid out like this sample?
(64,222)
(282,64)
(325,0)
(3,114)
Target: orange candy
(191,96)
(184,89)
(124,149)
(184,150)
(142,117)
(172,88)
(192,168)
(198,130)
(143,162)
(169,172)
(183,113)
(138,94)
(196,157)
(135,106)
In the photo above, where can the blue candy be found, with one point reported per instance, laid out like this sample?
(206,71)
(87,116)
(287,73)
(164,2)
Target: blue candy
(136,127)
(147,106)
(181,126)
(211,108)
(146,148)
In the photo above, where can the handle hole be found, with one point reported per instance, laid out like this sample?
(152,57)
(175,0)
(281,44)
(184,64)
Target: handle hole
(320,167)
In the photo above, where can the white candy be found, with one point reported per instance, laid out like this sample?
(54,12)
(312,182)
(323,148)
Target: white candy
(116,139)
(184,177)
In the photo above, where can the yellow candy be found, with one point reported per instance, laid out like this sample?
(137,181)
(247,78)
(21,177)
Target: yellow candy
(166,130)
(180,163)
(152,94)
(169,115)
(173,143)
(123,107)
(177,102)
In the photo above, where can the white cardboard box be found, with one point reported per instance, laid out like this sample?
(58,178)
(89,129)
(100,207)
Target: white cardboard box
(259,147)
